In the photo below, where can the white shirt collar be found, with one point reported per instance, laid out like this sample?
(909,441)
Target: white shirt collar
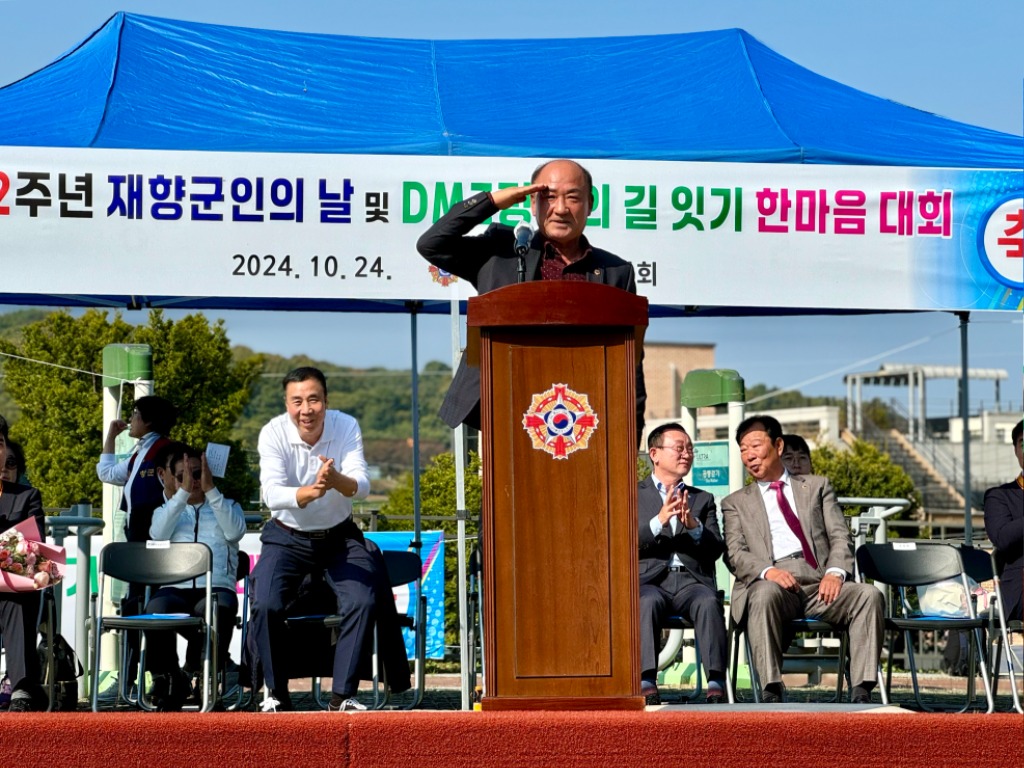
(764,485)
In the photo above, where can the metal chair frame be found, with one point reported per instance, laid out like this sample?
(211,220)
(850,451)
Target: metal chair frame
(980,565)
(807,624)
(404,567)
(912,564)
(155,564)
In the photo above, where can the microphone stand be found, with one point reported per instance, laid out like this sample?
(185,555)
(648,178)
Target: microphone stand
(521,268)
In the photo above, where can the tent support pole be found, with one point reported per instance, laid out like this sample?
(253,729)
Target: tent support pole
(413,307)
(965,415)
(459,449)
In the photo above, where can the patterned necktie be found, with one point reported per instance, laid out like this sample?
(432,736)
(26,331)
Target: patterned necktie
(793,523)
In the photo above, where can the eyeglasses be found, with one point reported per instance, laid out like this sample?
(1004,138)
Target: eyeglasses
(678,449)
(196,474)
(11,463)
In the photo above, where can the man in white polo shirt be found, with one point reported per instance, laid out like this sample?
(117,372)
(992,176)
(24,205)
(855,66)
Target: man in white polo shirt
(311,468)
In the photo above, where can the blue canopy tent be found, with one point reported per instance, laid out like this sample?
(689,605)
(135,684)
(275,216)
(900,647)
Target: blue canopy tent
(148,83)
(143,82)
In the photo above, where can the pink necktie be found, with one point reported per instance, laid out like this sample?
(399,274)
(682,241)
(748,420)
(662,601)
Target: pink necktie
(793,523)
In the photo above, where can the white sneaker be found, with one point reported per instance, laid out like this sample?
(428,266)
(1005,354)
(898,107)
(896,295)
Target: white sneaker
(348,705)
(270,704)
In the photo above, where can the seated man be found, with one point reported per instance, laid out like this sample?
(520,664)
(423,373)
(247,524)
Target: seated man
(679,544)
(796,455)
(19,611)
(1004,524)
(311,467)
(193,510)
(792,552)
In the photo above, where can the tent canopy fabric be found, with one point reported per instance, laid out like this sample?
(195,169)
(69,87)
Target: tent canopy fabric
(148,83)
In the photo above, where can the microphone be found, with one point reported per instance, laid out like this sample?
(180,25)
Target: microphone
(524,234)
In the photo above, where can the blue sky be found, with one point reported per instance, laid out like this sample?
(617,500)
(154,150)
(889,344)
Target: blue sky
(961,60)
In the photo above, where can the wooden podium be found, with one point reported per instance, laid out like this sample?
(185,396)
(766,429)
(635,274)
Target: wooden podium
(559,529)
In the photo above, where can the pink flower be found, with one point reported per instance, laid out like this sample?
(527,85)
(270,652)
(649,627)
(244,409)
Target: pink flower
(30,558)
(42,580)
(4,554)
(16,568)
(22,548)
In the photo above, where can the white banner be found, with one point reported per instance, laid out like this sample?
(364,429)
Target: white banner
(299,226)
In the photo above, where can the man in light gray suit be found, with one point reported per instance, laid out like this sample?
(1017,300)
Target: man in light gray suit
(791,550)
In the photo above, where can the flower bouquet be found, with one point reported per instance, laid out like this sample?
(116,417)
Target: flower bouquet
(26,563)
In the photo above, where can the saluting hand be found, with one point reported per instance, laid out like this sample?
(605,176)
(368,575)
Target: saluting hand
(509,196)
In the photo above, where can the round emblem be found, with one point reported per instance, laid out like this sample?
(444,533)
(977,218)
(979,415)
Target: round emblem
(1001,243)
(442,278)
(560,421)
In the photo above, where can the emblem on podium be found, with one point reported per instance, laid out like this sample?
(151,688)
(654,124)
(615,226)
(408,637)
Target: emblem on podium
(560,421)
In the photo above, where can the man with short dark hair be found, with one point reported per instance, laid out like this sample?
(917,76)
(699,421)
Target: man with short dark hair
(792,552)
(679,544)
(796,455)
(311,468)
(19,611)
(1004,524)
(562,198)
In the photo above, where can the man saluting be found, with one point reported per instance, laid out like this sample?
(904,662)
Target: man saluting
(562,198)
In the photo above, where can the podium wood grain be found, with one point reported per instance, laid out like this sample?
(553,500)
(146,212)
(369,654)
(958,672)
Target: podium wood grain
(559,535)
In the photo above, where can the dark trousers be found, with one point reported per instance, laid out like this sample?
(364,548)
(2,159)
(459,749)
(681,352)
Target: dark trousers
(19,625)
(161,653)
(679,593)
(353,575)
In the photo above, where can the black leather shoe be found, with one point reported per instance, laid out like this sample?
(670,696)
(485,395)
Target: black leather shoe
(650,693)
(860,696)
(775,694)
(30,703)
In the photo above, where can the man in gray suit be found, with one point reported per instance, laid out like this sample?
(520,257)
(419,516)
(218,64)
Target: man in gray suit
(679,544)
(562,198)
(792,552)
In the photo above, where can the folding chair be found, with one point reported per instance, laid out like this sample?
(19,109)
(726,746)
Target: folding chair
(242,698)
(156,564)
(405,568)
(795,662)
(1000,641)
(677,626)
(910,565)
(980,565)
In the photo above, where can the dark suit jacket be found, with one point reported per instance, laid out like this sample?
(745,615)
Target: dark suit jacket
(488,261)
(748,539)
(656,551)
(20,502)
(1004,524)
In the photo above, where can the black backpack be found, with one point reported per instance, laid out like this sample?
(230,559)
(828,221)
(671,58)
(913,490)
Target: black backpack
(67,670)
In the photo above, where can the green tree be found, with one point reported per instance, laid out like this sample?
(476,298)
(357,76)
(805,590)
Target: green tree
(865,471)
(437,498)
(60,396)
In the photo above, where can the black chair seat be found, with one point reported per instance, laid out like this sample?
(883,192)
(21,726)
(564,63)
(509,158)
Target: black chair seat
(149,621)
